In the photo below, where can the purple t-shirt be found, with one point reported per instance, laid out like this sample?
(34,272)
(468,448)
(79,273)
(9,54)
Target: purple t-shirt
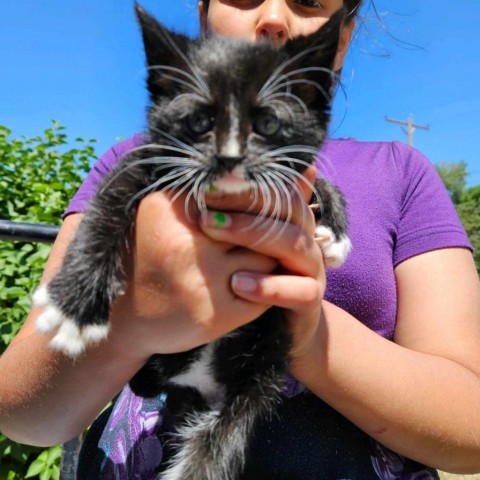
(397,208)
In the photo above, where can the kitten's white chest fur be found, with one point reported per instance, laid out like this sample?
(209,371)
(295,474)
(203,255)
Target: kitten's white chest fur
(199,375)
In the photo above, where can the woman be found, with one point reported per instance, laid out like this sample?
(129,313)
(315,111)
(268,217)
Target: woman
(385,353)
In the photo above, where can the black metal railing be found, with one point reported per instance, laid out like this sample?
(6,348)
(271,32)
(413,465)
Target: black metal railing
(32,232)
(28,232)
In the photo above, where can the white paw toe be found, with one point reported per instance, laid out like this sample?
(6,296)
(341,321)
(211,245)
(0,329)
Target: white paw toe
(41,298)
(335,252)
(69,337)
(95,333)
(50,319)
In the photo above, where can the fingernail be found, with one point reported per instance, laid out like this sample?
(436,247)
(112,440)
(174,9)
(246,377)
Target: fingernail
(243,283)
(217,219)
(211,189)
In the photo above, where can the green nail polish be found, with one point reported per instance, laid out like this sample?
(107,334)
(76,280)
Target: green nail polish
(221,220)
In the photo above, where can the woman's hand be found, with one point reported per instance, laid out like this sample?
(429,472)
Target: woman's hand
(179,294)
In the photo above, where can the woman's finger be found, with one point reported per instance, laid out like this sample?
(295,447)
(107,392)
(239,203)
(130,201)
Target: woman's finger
(291,245)
(286,291)
(300,297)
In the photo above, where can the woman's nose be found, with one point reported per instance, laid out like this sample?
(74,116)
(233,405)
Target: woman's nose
(273,22)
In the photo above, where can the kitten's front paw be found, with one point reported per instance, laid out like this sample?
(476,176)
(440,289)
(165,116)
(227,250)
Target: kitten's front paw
(335,251)
(70,338)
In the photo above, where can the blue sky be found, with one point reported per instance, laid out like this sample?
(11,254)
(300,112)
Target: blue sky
(81,62)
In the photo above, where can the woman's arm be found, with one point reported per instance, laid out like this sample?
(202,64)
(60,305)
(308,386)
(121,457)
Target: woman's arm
(46,397)
(420,395)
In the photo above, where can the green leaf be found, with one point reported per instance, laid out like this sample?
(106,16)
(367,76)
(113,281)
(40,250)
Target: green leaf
(46,475)
(36,467)
(56,472)
(54,455)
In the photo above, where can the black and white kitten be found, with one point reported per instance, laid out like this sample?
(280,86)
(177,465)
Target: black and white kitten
(228,115)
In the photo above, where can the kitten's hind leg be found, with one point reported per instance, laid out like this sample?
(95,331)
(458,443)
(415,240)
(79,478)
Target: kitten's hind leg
(332,225)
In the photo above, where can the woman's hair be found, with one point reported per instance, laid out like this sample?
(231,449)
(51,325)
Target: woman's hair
(352,7)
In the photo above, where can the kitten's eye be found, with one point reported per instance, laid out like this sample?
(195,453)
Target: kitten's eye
(266,124)
(200,122)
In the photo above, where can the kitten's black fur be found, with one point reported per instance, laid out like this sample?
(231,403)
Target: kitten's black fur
(217,105)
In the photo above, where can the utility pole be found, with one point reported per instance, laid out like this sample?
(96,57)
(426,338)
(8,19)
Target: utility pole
(411,127)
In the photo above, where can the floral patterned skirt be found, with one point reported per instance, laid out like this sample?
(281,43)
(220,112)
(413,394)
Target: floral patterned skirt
(306,440)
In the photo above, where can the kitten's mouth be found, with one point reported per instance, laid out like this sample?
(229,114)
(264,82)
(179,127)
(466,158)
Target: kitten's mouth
(233,181)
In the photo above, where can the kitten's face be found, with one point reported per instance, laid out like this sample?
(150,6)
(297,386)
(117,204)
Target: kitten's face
(236,114)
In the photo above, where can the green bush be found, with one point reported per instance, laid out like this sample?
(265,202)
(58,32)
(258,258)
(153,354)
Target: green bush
(38,176)
(466,201)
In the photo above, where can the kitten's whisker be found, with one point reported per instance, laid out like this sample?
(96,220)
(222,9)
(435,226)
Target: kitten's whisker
(179,192)
(293,173)
(194,193)
(199,189)
(278,71)
(294,176)
(285,78)
(254,189)
(292,149)
(184,83)
(284,105)
(167,161)
(178,174)
(180,168)
(303,80)
(291,160)
(288,181)
(202,205)
(275,215)
(187,150)
(291,95)
(266,159)
(178,142)
(266,198)
(268,175)
(324,159)
(285,180)
(187,98)
(198,84)
(271,179)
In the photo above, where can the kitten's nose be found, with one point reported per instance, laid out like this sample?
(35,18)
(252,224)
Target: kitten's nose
(227,163)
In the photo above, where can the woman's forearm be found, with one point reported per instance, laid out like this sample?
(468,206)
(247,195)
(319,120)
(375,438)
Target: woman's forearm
(422,406)
(47,398)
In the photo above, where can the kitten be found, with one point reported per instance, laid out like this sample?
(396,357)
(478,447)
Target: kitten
(228,115)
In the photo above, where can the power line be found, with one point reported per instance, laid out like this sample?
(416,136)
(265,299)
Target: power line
(411,127)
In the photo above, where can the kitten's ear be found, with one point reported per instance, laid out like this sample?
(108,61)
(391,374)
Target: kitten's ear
(316,51)
(162,48)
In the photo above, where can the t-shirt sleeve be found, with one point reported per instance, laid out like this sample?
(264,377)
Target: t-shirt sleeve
(100,168)
(428,220)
